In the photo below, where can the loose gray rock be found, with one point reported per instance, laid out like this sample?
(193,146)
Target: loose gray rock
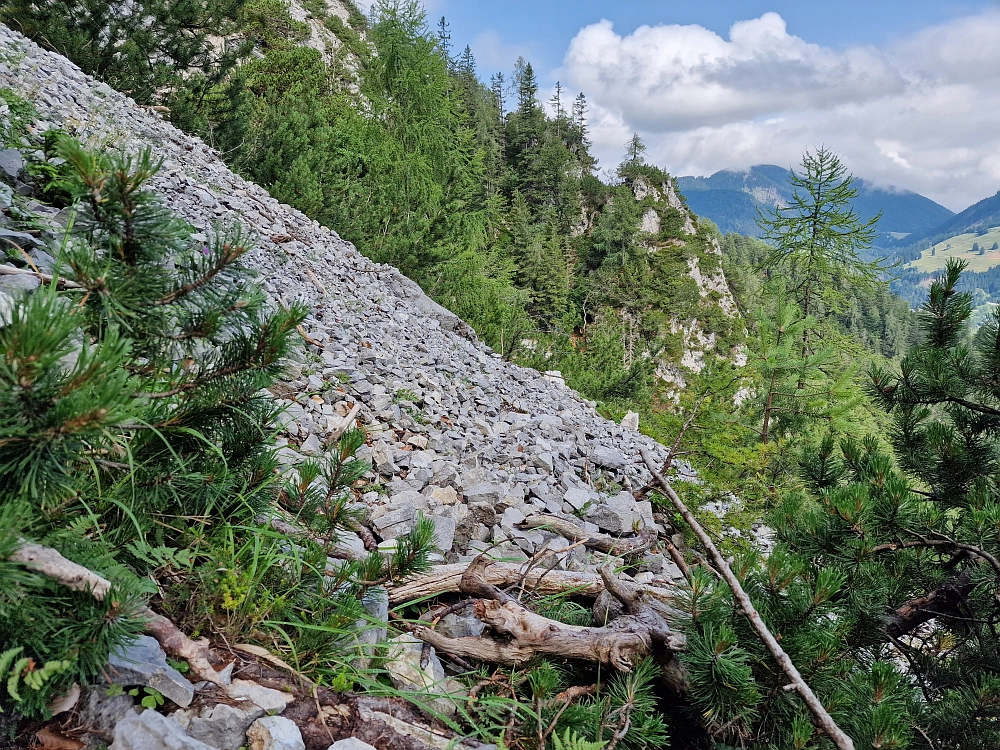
(20,284)
(609,458)
(221,726)
(617,515)
(455,625)
(403,666)
(274,733)
(100,712)
(351,743)
(11,164)
(153,731)
(11,237)
(144,663)
(269,700)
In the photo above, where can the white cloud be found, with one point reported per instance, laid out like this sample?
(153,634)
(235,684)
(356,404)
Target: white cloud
(919,114)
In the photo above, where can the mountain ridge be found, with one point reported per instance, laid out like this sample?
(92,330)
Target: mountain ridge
(767,185)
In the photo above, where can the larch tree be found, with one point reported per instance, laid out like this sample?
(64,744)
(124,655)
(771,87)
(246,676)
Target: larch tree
(818,238)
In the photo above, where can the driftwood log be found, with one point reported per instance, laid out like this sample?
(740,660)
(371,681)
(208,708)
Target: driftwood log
(52,564)
(518,634)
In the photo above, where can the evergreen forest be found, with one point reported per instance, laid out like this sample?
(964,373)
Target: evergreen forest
(830,497)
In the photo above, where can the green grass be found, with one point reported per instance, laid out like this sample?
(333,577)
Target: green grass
(960,246)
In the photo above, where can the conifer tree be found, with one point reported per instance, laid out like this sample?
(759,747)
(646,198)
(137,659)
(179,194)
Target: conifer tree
(817,239)
(128,402)
(159,52)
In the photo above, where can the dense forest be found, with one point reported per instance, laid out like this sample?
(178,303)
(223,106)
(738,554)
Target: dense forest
(858,432)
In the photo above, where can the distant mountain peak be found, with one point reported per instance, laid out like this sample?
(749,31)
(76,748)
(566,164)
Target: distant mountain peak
(731,199)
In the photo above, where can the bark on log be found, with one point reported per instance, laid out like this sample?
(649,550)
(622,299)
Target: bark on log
(52,564)
(600,542)
(443,579)
(820,715)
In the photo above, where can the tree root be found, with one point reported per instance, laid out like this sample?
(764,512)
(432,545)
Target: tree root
(522,634)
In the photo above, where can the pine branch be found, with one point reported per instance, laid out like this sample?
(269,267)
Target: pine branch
(799,685)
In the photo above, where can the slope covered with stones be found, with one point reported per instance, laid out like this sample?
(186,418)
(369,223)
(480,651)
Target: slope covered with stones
(456,433)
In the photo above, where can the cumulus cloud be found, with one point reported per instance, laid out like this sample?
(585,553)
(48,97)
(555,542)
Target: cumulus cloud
(919,114)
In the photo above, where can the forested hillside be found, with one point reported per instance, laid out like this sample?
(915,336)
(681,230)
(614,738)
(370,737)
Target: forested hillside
(763,513)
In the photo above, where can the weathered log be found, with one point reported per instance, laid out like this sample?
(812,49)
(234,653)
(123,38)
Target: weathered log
(52,564)
(601,542)
(527,634)
(443,579)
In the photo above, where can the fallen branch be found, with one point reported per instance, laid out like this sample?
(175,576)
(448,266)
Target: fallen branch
(443,579)
(345,423)
(601,542)
(799,685)
(47,278)
(52,564)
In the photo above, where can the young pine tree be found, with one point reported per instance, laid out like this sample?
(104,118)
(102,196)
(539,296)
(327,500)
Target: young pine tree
(129,405)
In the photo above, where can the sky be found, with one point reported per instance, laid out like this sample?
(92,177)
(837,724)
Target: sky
(906,92)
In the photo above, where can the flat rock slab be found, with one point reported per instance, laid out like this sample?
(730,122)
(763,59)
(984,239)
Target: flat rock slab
(11,164)
(144,663)
(270,700)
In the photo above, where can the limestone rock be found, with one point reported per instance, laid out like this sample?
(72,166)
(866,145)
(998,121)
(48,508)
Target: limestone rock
(221,726)
(11,164)
(274,733)
(269,700)
(144,663)
(609,458)
(153,731)
(351,743)
(403,665)
(100,712)
(455,625)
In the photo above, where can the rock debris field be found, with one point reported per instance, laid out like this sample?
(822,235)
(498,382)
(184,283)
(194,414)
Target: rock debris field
(473,442)
(476,444)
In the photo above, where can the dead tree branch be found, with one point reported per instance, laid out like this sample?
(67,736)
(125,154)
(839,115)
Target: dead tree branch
(820,715)
(526,634)
(601,542)
(52,564)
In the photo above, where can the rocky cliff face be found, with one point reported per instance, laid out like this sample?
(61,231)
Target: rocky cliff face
(456,433)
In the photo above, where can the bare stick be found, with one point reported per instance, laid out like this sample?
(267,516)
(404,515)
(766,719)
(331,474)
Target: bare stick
(342,427)
(65,283)
(52,564)
(601,542)
(820,714)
